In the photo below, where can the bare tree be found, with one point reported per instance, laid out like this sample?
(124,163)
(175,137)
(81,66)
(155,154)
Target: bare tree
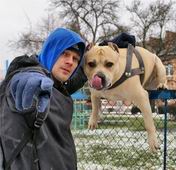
(94,20)
(144,19)
(165,14)
(30,41)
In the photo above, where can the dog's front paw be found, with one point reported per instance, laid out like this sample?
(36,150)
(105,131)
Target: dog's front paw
(92,123)
(153,143)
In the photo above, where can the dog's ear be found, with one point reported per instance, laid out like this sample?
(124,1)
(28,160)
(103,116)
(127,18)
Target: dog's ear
(113,46)
(89,46)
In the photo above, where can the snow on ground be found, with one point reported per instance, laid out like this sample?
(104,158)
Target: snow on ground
(120,140)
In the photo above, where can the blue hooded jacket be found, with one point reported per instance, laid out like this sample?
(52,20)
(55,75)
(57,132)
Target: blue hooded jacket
(57,42)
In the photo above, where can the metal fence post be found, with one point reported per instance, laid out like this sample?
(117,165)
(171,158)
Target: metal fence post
(163,95)
(165,135)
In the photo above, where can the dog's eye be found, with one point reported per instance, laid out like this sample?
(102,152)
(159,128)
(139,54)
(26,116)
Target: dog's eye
(109,64)
(92,64)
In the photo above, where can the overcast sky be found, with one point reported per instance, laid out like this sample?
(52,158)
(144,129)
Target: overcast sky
(13,20)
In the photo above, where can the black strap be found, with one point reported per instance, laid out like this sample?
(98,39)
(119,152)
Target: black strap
(29,135)
(141,64)
(129,60)
(3,155)
(35,162)
(128,71)
(26,138)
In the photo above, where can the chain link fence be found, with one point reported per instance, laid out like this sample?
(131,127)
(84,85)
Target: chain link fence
(120,141)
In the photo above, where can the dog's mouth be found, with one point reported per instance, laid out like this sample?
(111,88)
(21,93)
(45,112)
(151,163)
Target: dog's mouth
(99,82)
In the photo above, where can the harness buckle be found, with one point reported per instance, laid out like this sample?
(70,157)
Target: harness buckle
(127,74)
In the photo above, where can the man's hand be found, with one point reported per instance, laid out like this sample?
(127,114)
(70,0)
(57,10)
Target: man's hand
(27,87)
(122,40)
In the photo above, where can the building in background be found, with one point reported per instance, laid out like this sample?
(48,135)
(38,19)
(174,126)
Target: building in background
(168,55)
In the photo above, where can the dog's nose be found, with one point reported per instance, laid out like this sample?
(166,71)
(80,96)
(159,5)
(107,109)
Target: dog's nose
(103,78)
(101,75)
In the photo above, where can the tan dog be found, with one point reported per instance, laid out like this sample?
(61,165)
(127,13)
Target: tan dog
(104,65)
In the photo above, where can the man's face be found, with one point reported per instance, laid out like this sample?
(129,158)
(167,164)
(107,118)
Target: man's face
(65,65)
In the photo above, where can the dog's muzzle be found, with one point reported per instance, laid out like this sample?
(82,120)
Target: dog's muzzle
(98,81)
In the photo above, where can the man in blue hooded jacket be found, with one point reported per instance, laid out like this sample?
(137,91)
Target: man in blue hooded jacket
(35,92)
(36,107)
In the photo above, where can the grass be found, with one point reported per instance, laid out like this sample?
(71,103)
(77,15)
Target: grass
(120,151)
(132,123)
(126,158)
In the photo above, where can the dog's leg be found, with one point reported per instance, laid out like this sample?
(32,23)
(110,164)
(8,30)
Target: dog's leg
(95,110)
(142,101)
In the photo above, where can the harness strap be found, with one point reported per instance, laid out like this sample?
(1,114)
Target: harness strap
(141,64)
(128,71)
(129,60)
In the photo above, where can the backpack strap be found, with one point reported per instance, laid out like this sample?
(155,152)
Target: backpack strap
(2,156)
(30,135)
(26,138)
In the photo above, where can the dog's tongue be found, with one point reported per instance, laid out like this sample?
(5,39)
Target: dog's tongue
(97,82)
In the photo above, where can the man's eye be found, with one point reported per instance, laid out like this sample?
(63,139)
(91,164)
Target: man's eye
(76,59)
(109,64)
(92,64)
(66,53)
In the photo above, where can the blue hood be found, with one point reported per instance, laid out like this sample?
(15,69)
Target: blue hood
(57,42)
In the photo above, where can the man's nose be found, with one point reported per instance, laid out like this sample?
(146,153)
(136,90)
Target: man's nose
(70,60)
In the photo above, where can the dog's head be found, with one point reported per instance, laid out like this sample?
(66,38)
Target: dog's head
(101,64)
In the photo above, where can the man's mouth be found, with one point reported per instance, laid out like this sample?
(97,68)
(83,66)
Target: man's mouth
(66,71)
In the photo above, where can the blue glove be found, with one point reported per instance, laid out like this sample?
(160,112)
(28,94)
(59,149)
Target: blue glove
(27,87)
(121,40)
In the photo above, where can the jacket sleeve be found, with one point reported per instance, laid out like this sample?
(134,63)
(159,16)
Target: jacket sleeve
(76,82)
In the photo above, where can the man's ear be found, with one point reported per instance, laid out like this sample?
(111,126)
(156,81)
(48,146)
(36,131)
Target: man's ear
(113,46)
(89,46)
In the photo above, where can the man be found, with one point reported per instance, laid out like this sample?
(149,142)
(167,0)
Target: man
(36,107)
(34,86)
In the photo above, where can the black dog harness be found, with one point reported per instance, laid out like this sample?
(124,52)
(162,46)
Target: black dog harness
(128,71)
